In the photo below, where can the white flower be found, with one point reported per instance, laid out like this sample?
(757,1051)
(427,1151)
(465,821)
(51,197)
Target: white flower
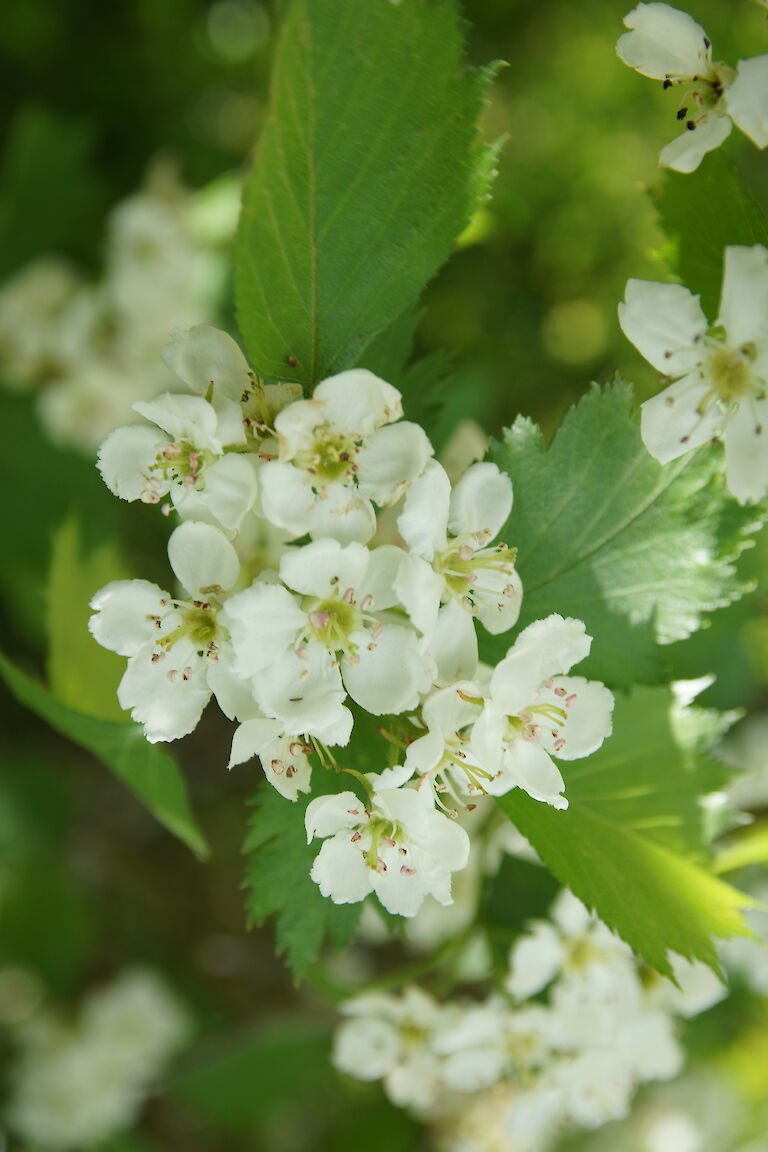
(33,307)
(667,44)
(306,645)
(445,752)
(720,378)
(177,650)
(396,845)
(186,460)
(339,452)
(458,570)
(284,758)
(533,712)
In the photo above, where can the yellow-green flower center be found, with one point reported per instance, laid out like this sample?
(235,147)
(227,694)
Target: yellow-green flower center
(730,372)
(331,457)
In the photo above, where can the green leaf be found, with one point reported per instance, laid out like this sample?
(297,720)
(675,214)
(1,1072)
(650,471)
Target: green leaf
(150,773)
(703,212)
(750,846)
(367,171)
(637,550)
(81,673)
(630,844)
(278,881)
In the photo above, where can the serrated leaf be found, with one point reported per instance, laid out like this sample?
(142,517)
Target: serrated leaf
(150,773)
(604,533)
(703,212)
(630,844)
(366,173)
(278,882)
(80,672)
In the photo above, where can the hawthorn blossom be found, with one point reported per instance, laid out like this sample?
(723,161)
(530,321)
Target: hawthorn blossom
(339,453)
(325,632)
(445,752)
(185,457)
(720,375)
(450,563)
(178,650)
(396,845)
(532,712)
(667,44)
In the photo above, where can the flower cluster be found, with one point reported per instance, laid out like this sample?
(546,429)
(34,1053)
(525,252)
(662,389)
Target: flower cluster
(297,605)
(90,349)
(668,45)
(75,1084)
(511,1073)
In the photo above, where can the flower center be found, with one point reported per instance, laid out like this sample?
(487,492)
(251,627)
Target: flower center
(197,622)
(463,567)
(705,95)
(730,372)
(178,463)
(333,620)
(387,832)
(331,456)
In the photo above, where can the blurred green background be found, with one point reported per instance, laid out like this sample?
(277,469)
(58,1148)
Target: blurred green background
(526,310)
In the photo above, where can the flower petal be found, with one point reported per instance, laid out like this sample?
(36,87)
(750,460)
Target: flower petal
(746,450)
(744,302)
(340,871)
(339,512)
(168,697)
(545,648)
(227,495)
(747,99)
(202,558)
(125,613)
(665,323)
(686,152)
(390,459)
(380,580)
(324,566)
(498,598)
(419,589)
(453,644)
(203,356)
(589,708)
(481,502)
(534,961)
(671,423)
(390,672)
(264,621)
(664,43)
(528,766)
(125,458)
(306,694)
(287,499)
(424,520)
(188,418)
(287,769)
(357,402)
(327,815)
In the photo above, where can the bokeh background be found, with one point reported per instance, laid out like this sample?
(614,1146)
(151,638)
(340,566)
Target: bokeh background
(125,130)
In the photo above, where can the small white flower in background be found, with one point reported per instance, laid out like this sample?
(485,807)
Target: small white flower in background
(177,649)
(450,563)
(668,45)
(183,457)
(74,1084)
(720,377)
(533,712)
(325,632)
(33,304)
(395,844)
(339,453)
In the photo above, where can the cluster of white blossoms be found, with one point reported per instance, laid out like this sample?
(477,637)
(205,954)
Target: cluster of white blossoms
(512,1073)
(297,604)
(77,1082)
(89,349)
(668,45)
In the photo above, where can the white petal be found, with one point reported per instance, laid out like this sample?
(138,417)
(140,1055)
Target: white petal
(202,558)
(234,694)
(498,598)
(664,42)
(341,872)
(453,644)
(287,499)
(295,426)
(446,842)
(686,152)
(390,459)
(188,418)
(746,450)
(287,769)
(379,583)
(306,694)
(589,708)
(390,672)
(159,697)
(324,567)
(481,501)
(357,402)
(203,356)
(424,520)
(125,458)
(366,1049)
(534,961)
(227,494)
(744,302)
(448,710)
(545,648)
(527,765)
(264,622)
(747,99)
(664,322)
(400,890)
(419,589)
(671,423)
(339,512)
(327,815)
(124,611)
